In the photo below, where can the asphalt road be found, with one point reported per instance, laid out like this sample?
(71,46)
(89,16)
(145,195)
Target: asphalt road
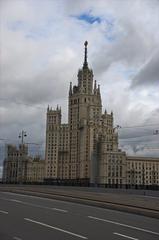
(33,218)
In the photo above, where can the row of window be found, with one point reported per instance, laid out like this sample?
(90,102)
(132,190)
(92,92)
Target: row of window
(145,164)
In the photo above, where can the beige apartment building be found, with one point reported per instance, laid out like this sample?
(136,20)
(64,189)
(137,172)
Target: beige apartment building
(112,169)
(57,146)
(18,167)
(142,170)
(35,170)
(15,164)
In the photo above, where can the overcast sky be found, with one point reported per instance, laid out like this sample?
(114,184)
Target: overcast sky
(41,43)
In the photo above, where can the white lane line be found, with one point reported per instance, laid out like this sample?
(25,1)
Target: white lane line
(124,225)
(12,200)
(151,197)
(5,199)
(57,201)
(15,200)
(59,210)
(18,194)
(55,228)
(44,207)
(35,205)
(125,236)
(17,238)
(1,211)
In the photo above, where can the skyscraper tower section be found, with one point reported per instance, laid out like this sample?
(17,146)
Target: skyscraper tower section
(79,151)
(84,113)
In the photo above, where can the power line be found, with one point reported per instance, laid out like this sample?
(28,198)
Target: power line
(152,148)
(138,142)
(141,126)
(143,136)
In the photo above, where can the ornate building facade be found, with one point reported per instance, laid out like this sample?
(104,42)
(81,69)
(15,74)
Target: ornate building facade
(84,149)
(15,164)
(18,167)
(142,171)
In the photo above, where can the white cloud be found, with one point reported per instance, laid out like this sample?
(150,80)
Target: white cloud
(149,74)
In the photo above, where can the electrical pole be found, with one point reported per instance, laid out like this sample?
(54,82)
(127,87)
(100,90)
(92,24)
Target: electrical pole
(117,127)
(21,159)
(156,132)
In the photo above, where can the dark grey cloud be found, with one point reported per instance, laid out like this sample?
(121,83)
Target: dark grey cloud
(41,87)
(149,74)
(141,149)
(137,132)
(153,118)
(130,48)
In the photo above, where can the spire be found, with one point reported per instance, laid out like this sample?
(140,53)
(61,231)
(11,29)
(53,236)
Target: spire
(85,55)
(98,89)
(70,91)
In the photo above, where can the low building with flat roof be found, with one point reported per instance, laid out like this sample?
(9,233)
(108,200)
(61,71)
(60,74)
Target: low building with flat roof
(142,170)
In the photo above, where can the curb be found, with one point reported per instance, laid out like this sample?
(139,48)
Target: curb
(86,201)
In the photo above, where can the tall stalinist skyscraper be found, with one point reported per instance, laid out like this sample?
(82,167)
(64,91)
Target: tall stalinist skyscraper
(80,150)
(85,111)
(83,151)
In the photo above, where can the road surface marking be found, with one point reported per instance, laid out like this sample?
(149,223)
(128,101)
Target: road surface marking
(17,238)
(5,199)
(125,236)
(15,200)
(146,196)
(12,200)
(58,209)
(55,228)
(40,206)
(124,225)
(1,211)
(35,205)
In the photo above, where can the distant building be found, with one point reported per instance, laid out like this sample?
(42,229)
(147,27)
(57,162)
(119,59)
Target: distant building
(35,170)
(15,164)
(142,171)
(18,167)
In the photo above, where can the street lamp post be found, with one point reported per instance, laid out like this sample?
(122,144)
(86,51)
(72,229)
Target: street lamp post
(117,127)
(156,132)
(22,135)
